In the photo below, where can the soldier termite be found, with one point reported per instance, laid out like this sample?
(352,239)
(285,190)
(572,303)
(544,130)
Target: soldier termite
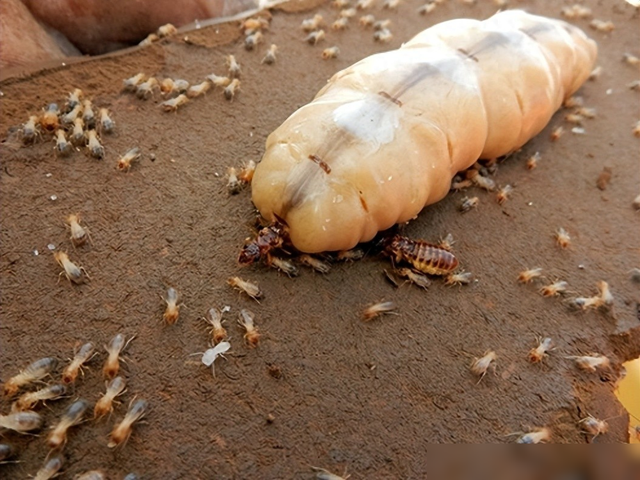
(556,133)
(270,57)
(340,24)
(214,318)
(173,104)
(316,264)
(79,234)
(88,116)
(503,194)
(252,41)
(311,24)
(367,20)
(63,147)
(314,37)
(29,400)
(83,355)
(95,147)
(106,123)
(49,120)
(21,422)
(383,36)
(77,134)
(423,256)
(591,363)
(234,66)
(378,309)
(35,371)
(169,86)
(121,432)
(132,82)
(602,26)
(231,89)
(71,417)
(71,116)
(124,162)
(538,353)
(468,204)
(532,161)
(73,272)
(30,130)
(51,468)
(74,99)
(233,184)
(527,276)
(460,278)
(331,52)
(554,289)
(209,357)
(593,426)
(540,435)
(562,237)
(114,349)
(416,278)
(104,406)
(199,89)
(247,287)
(480,366)
(246,321)
(285,266)
(427,8)
(172,312)
(246,173)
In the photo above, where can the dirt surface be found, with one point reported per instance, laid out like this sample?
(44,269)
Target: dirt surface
(344,395)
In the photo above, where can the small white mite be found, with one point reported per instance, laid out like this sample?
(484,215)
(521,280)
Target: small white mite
(540,435)
(480,366)
(209,357)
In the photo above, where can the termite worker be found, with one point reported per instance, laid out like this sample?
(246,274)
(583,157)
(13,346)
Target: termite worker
(591,363)
(246,321)
(114,349)
(95,147)
(169,86)
(460,278)
(480,366)
(247,287)
(74,99)
(30,130)
(340,4)
(74,114)
(340,24)
(364,4)
(214,318)
(132,82)
(172,312)
(77,135)
(73,272)
(246,173)
(527,276)
(540,435)
(233,184)
(51,468)
(121,432)
(316,264)
(562,238)
(166,30)
(209,357)
(331,52)
(218,81)
(593,426)
(602,26)
(285,266)
(62,147)
(199,89)
(427,8)
(381,24)
(149,39)
(124,162)
(416,278)
(469,203)
(391,4)
(538,353)
(231,89)
(270,57)
(367,20)
(576,11)
(29,400)
(251,41)
(92,475)
(378,309)
(234,66)
(79,234)
(106,123)
(314,37)
(35,371)
(532,161)
(88,116)
(311,24)
(82,356)
(173,104)
(71,417)
(21,422)
(348,13)
(554,289)
(383,36)
(503,194)
(556,133)
(104,406)
(145,89)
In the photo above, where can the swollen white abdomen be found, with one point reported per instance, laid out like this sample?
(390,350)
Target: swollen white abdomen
(385,136)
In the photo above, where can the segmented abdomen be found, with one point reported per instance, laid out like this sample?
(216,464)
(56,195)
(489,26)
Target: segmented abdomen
(428,258)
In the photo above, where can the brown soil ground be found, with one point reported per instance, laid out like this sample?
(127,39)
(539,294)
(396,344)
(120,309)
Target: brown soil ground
(367,398)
